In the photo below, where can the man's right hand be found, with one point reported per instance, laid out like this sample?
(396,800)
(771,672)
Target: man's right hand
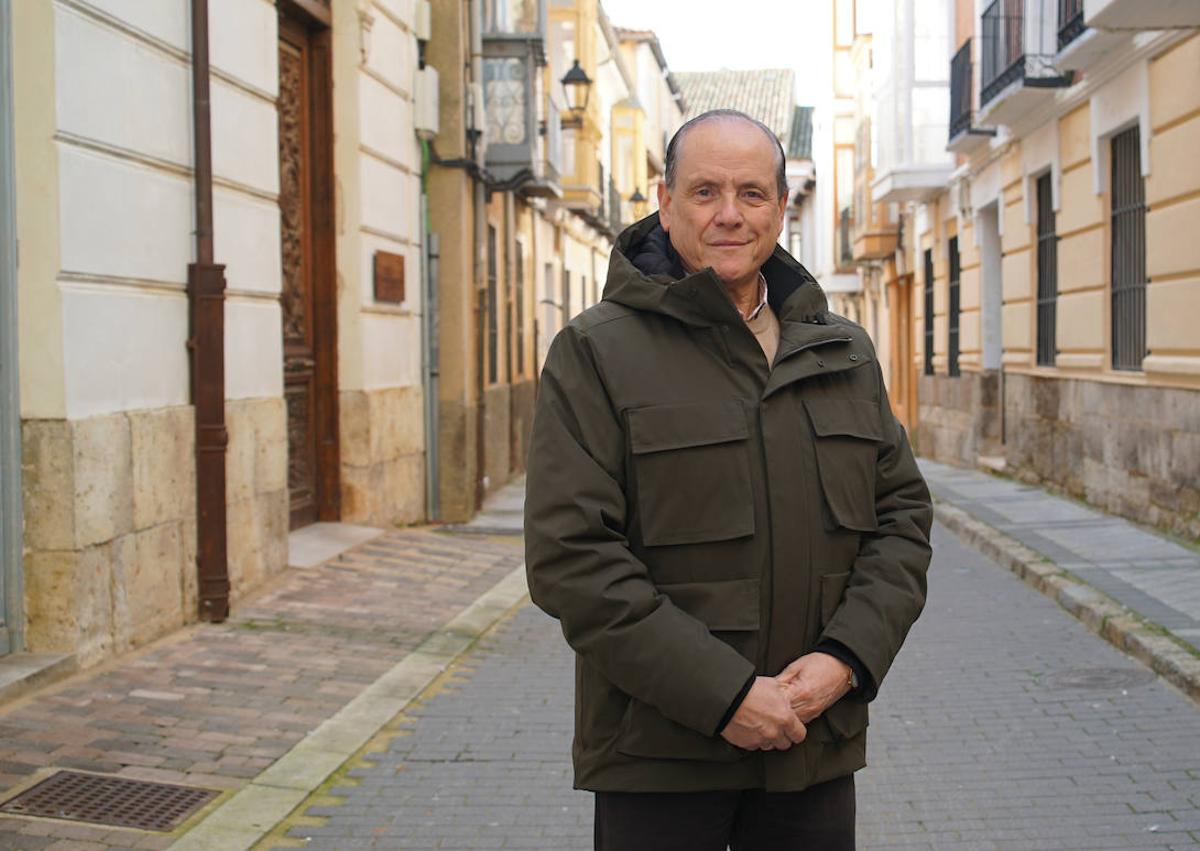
(765,720)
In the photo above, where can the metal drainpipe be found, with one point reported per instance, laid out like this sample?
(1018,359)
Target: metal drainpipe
(206,315)
(430,251)
(480,275)
(11,508)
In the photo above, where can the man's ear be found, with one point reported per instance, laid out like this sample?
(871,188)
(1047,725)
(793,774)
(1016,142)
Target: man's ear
(664,206)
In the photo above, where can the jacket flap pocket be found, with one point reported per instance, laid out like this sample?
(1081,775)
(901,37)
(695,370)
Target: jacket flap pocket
(725,605)
(851,417)
(645,732)
(663,427)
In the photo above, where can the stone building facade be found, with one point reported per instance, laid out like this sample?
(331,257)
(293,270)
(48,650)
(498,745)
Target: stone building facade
(1042,292)
(315,175)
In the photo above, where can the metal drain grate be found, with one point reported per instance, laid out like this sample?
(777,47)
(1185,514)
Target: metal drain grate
(113,801)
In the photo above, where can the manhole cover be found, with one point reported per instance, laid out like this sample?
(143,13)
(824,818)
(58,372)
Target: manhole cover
(1099,678)
(114,801)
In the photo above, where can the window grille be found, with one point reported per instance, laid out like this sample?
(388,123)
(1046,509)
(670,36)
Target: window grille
(1128,252)
(1047,273)
(493,310)
(1070,21)
(519,323)
(929,312)
(566,297)
(955,305)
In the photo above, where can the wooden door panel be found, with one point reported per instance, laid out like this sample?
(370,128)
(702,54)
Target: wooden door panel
(300,267)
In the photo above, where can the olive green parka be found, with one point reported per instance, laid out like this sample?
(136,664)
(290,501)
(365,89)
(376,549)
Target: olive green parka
(694,516)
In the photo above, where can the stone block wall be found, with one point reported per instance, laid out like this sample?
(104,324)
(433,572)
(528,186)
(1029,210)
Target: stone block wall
(110,535)
(959,417)
(1132,450)
(383,456)
(256,497)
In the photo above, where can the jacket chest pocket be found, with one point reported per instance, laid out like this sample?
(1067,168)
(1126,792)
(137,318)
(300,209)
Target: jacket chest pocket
(847,436)
(691,467)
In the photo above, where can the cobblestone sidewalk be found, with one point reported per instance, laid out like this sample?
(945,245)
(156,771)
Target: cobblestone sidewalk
(1004,725)
(215,705)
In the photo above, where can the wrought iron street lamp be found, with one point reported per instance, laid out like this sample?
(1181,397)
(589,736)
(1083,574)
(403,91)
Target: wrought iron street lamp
(577,87)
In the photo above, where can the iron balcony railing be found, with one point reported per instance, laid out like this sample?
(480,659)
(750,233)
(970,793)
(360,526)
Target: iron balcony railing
(1009,53)
(960,91)
(1003,46)
(1070,21)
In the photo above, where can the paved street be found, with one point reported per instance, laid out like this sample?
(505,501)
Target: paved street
(1005,724)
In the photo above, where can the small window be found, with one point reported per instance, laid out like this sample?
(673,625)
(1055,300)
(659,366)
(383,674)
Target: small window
(929,312)
(493,310)
(1128,252)
(1047,274)
(952,347)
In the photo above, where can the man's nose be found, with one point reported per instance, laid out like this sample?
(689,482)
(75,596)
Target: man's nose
(729,214)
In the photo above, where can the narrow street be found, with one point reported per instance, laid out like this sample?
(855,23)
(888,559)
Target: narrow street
(1004,724)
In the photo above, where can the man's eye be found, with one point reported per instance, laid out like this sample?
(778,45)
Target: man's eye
(704,192)
(753,194)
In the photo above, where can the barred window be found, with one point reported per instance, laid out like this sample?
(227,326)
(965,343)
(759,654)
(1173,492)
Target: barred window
(929,312)
(1128,252)
(955,305)
(493,310)
(519,319)
(1047,274)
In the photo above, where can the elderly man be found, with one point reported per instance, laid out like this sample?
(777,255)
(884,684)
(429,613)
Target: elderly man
(726,518)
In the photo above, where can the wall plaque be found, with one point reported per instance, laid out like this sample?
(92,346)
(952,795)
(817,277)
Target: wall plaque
(389,277)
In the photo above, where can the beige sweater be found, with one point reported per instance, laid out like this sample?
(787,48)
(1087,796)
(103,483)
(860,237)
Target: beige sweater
(765,328)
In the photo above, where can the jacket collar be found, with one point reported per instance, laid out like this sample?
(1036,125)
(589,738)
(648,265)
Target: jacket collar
(645,273)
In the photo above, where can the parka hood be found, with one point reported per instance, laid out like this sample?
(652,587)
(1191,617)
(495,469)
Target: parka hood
(646,273)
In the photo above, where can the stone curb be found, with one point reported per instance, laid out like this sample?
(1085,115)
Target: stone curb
(1120,626)
(255,809)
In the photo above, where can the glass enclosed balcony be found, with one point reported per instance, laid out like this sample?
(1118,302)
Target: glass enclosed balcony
(523,129)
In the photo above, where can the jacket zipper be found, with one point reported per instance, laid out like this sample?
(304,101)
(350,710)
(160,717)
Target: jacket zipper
(765,628)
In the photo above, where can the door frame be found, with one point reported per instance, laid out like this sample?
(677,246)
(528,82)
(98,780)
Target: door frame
(12,631)
(316,18)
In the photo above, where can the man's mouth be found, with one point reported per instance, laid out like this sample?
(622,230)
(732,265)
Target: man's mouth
(727,244)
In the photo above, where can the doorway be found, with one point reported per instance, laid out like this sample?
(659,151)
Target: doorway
(308,297)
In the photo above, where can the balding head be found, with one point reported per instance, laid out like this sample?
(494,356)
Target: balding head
(674,147)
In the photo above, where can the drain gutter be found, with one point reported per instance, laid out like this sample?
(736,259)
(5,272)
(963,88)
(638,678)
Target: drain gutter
(206,344)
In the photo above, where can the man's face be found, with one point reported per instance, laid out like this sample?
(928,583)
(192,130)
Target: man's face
(725,210)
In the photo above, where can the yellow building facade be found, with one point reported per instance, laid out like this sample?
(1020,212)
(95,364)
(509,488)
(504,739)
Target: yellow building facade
(1045,294)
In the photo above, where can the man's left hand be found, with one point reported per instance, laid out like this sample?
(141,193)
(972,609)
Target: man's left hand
(813,683)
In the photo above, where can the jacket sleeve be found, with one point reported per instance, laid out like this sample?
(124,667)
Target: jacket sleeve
(579,564)
(886,589)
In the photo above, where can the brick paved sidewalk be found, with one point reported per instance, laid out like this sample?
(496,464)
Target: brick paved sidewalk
(217,704)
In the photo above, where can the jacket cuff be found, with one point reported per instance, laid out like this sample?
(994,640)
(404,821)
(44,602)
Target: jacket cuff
(737,702)
(866,683)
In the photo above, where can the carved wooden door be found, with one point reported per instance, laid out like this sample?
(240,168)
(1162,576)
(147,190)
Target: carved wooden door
(305,208)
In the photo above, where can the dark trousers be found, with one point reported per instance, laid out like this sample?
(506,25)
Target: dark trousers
(820,818)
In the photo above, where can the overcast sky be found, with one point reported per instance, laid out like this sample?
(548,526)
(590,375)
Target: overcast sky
(703,35)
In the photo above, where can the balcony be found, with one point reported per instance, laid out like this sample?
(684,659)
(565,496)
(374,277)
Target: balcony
(1141,14)
(523,130)
(1018,49)
(1079,46)
(965,136)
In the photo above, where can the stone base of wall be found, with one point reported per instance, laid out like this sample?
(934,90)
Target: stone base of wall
(110,535)
(959,417)
(256,492)
(523,397)
(383,456)
(458,469)
(1131,450)
(497,436)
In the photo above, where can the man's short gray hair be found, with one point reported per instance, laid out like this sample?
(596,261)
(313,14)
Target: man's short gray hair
(672,158)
